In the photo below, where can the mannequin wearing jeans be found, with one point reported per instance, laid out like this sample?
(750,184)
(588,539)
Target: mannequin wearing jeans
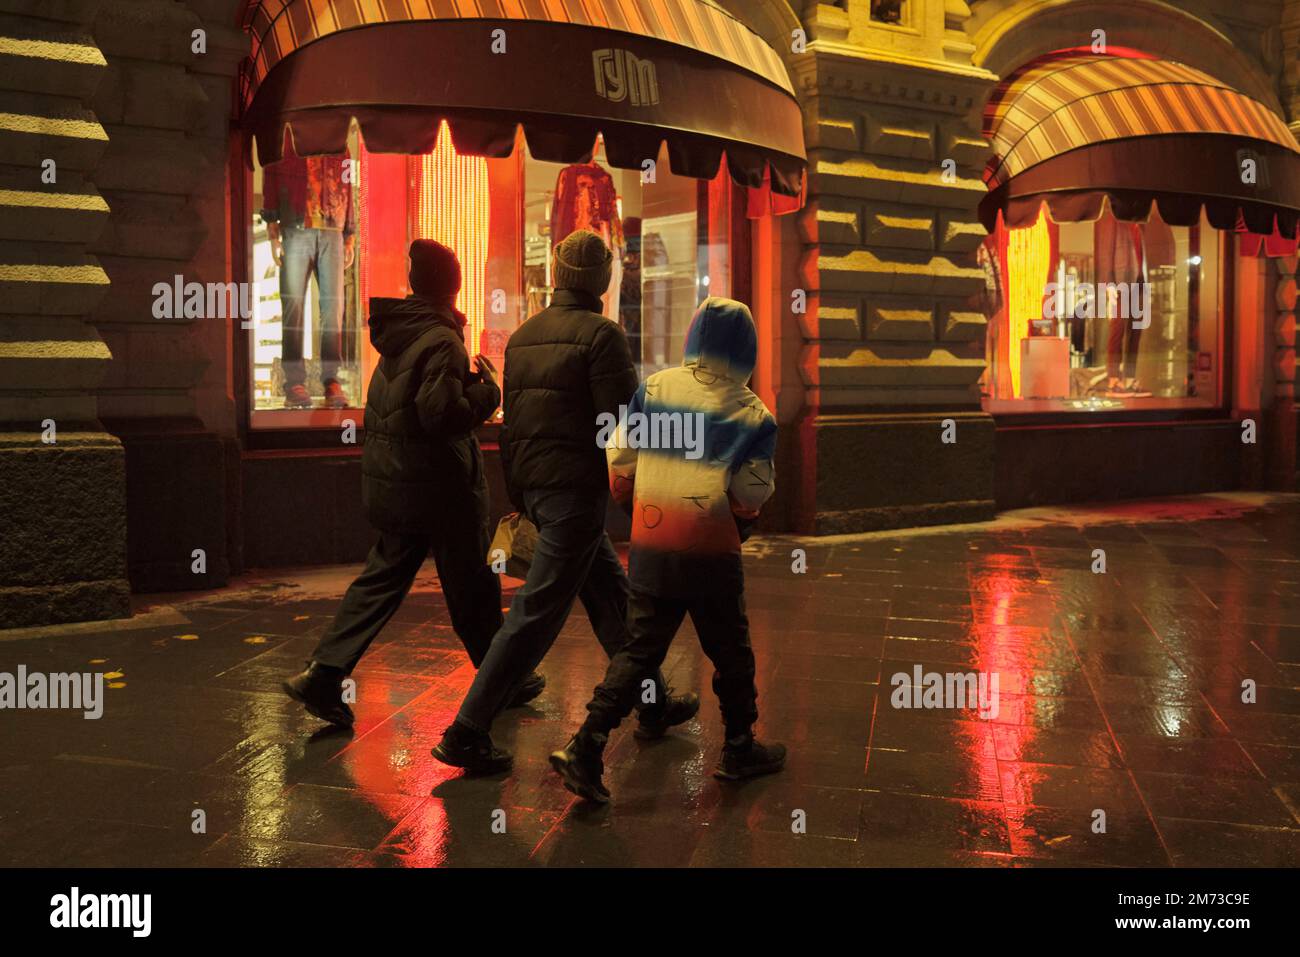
(308,251)
(308,212)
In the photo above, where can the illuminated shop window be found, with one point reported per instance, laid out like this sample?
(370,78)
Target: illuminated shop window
(306,358)
(504,217)
(1101,316)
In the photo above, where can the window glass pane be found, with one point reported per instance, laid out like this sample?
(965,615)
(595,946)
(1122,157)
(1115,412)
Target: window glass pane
(1103,316)
(305,355)
(503,217)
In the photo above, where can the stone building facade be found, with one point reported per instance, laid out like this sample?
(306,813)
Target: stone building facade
(124,465)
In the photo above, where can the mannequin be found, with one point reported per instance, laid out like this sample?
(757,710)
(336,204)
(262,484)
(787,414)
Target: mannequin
(307,206)
(585,198)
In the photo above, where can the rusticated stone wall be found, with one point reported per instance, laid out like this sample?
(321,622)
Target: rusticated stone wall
(62,497)
(165,103)
(892,346)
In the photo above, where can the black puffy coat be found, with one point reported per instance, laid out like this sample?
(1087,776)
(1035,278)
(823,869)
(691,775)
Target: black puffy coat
(421,467)
(564,367)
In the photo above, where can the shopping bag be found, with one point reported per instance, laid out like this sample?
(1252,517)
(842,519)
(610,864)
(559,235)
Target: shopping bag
(514,543)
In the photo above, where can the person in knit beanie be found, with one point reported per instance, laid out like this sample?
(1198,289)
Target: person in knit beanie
(583,262)
(423,485)
(568,368)
(435,271)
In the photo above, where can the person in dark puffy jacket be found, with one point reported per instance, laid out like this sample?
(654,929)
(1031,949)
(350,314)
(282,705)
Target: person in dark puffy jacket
(422,483)
(565,368)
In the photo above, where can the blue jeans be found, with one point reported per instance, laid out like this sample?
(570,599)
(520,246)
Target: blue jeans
(573,559)
(307,251)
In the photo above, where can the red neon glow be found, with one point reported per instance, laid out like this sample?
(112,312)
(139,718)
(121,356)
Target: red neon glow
(363,219)
(451,205)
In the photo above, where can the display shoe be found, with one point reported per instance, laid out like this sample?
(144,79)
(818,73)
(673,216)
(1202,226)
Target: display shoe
(334,396)
(297,397)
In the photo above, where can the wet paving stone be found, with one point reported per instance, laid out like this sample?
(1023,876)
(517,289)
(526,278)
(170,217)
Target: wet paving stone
(1122,693)
(1229,800)
(1070,747)
(1078,837)
(1062,786)
(1216,844)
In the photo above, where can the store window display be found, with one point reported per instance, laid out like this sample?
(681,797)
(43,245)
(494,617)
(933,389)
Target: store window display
(586,198)
(312,233)
(1104,315)
(326,240)
(304,248)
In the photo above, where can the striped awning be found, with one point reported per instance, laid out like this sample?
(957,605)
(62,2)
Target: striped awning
(638,72)
(279,27)
(1075,129)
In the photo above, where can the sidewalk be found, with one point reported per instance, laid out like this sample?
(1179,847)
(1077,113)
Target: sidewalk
(1118,692)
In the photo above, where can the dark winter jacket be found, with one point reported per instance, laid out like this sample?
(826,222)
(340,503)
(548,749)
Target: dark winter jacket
(421,466)
(564,367)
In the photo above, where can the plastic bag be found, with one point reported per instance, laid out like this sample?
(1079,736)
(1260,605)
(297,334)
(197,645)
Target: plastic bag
(514,543)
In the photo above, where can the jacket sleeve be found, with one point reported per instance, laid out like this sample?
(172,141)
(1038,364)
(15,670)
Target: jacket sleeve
(622,459)
(441,400)
(612,373)
(754,479)
(504,444)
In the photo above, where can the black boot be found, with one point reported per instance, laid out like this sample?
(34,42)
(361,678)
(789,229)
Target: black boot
(319,689)
(533,685)
(580,766)
(677,709)
(744,757)
(474,751)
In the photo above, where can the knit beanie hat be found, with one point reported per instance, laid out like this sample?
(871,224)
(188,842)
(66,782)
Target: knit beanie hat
(583,261)
(435,272)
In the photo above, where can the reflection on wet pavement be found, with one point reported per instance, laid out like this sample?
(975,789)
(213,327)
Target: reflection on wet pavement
(1147,715)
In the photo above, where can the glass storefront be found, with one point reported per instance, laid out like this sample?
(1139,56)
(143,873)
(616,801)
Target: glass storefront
(1104,315)
(332,232)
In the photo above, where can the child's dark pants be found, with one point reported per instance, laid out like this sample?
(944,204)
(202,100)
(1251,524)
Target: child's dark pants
(653,621)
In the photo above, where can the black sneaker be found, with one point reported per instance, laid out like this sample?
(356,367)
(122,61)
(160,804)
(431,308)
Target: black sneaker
(580,767)
(749,760)
(533,685)
(475,753)
(678,710)
(319,689)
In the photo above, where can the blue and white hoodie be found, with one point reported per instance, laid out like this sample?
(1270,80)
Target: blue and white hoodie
(694,454)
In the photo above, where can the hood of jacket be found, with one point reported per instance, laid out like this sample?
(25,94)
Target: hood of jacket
(722,340)
(396,323)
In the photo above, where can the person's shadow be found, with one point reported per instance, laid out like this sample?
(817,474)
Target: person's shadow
(627,832)
(476,830)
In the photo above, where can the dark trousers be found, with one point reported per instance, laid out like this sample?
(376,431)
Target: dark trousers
(573,559)
(653,620)
(472,591)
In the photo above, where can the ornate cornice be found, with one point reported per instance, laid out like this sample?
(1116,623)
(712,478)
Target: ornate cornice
(874,76)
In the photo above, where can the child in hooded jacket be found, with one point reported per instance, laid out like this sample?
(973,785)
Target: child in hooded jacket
(693,462)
